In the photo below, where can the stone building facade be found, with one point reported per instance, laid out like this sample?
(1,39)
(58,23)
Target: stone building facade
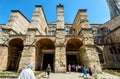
(107,36)
(59,44)
(110,38)
(114,6)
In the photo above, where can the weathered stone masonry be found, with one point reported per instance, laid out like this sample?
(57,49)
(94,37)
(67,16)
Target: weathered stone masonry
(23,42)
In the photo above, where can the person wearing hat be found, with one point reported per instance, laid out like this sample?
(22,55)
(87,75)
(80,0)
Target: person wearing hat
(27,73)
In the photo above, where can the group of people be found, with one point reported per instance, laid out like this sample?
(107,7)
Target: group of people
(27,73)
(78,68)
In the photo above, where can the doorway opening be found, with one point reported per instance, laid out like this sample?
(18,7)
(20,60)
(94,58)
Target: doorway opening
(48,59)
(14,54)
(71,59)
(44,53)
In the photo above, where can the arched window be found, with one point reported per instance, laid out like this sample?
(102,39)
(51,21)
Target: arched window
(100,55)
(106,30)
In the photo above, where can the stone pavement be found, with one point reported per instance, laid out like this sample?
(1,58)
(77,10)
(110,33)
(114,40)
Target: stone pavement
(79,76)
(107,76)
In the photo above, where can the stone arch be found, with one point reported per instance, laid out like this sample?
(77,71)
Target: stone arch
(73,46)
(44,48)
(15,49)
(100,55)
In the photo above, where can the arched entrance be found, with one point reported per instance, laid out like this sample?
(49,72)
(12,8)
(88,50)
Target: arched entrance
(100,55)
(45,51)
(73,51)
(14,54)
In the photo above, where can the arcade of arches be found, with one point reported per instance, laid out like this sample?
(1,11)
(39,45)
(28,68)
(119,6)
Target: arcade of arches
(45,53)
(26,42)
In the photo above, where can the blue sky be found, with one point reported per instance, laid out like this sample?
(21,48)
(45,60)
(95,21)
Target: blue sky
(97,10)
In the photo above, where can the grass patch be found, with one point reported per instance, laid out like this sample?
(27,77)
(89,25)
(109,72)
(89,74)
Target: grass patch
(9,73)
(114,72)
(16,73)
(38,72)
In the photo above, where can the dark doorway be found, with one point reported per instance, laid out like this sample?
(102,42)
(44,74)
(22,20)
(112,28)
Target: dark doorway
(71,59)
(48,59)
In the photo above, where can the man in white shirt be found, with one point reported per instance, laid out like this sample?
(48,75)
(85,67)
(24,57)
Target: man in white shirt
(27,73)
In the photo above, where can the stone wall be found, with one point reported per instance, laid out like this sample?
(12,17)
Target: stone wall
(80,21)
(3,57)
(28,54)
(112,24)
(88,51)
(36,30)
(18,22)
(113,37)
(60,50)
(39,20)
(112,49)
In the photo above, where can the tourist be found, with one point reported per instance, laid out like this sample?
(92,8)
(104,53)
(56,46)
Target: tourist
(84,72)
(73,67)
(27,73)
(94,67)
(69,68)
(76,68)
(79,68)
(48,70)
(94,71)
(90,72)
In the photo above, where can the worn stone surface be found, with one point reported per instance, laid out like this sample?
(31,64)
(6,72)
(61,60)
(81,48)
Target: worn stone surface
(88,53)
(3,57)
(60,52)
(18,22)
(114,6)
(112,24)
(112,48)
(30,48)
(39,21)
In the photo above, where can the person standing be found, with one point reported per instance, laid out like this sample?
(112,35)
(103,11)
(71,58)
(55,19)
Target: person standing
(84,72)
(76,68)
(94,68)
(90,72)
(48,70)
(69,68)
(27,73)
(73,67)
(79,68)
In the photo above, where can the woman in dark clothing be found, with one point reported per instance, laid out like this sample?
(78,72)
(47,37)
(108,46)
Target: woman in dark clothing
(48,70)
(90,72)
